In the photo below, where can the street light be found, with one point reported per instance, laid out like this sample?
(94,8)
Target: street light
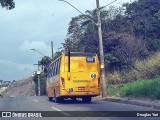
(103,76)
(32,73)
(38,52)
(41,54)
(29,71)
(38,73)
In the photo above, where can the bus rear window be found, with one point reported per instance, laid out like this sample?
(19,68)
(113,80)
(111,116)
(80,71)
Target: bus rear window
(90,59)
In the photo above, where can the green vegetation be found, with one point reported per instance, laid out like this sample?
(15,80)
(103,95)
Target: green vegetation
(142,69)
(8,4)
(130,33)
(141,88)
(140,81)
(131,42)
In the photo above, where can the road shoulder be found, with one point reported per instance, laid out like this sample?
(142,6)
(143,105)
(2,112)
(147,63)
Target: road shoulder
(133,101)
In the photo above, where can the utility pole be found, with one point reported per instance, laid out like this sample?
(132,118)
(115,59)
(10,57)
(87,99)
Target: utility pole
(103,76)
(39,84)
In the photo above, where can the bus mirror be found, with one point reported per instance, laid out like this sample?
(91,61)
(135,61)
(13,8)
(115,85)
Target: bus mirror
(69,75)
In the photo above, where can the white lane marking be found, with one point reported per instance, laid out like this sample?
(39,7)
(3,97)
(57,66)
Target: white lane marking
(64,113)
(36,100)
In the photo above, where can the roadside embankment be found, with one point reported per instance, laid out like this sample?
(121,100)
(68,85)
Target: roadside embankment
(21,88)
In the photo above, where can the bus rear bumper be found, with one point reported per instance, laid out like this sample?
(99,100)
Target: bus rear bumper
(80,95)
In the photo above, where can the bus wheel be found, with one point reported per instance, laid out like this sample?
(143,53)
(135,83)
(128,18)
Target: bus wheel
(57,99)
(50,98)
(86,99)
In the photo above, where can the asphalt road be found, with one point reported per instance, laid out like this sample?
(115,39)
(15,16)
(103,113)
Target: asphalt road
(35,103)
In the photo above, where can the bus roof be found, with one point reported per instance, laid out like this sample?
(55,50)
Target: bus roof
(80,54)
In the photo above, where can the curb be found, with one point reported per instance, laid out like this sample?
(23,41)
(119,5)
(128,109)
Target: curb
(132,102)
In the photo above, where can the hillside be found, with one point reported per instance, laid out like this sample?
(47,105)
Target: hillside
(22,88)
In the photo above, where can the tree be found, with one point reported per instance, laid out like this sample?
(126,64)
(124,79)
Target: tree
(57,54)
(140,15)
(130,32)
(145,22)
(45,61)
(79,27)
(8,4)
(75,33)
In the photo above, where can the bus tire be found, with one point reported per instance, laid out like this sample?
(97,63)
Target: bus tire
(50,98)
(86,99)
(57,99)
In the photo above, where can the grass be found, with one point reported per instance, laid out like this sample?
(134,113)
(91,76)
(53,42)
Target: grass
(113,90)
(141,88)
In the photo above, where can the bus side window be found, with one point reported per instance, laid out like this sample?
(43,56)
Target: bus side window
(53,69)
(58,66)
(49,70)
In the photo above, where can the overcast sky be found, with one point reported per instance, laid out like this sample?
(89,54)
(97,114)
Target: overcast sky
(34,24)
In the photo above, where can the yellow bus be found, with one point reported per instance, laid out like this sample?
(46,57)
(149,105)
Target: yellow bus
(73,75)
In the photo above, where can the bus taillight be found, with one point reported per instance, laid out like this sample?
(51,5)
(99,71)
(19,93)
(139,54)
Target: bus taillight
(62,80)
(98,82)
